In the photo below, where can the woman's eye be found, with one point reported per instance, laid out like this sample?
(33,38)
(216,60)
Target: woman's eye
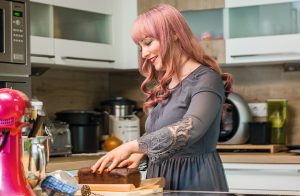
(147,43)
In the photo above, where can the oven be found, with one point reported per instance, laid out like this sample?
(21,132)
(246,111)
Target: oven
(18,83)
(14,38)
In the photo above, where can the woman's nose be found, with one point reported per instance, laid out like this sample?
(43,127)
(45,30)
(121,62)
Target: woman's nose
(145,53)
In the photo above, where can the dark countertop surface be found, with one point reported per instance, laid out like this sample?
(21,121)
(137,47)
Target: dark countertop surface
(203,193)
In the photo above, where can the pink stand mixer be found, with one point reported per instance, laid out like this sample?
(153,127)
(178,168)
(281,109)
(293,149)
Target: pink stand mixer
(13,105)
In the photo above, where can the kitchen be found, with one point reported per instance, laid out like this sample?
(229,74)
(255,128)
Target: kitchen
(64,83)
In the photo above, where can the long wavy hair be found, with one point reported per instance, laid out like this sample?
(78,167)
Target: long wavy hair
(166,24)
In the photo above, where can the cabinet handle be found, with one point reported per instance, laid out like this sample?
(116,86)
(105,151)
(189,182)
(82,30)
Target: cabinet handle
(86,59)
(264,54)
(43,55)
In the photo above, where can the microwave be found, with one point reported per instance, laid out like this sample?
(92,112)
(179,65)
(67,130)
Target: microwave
(14,37)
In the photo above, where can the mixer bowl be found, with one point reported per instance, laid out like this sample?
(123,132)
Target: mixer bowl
(35,158)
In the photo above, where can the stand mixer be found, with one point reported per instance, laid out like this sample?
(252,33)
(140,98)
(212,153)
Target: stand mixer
(13,105)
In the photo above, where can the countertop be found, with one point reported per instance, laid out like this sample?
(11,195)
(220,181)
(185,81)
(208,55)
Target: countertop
(74,162)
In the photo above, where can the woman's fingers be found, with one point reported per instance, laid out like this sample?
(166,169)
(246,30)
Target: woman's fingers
(97,164)
(113,165)
(123,163)
(133,165)
(105,161)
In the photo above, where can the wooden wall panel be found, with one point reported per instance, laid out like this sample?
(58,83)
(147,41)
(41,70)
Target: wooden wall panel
(63,89)
(71,89)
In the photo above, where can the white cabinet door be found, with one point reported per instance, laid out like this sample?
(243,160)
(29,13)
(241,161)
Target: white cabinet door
(125,12)
(99,6)
(276,178)
(239,3)
(42,50)
(255,35)
(82,54)
(268,49)
(49,2)
(41,30)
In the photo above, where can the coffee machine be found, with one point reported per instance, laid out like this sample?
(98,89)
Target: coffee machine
(123,121)
(13,105)
(126,128)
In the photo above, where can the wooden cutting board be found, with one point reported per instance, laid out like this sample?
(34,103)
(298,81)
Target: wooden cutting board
(148,186)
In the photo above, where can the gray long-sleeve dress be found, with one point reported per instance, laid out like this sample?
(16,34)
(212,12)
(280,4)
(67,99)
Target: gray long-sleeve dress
(182,133)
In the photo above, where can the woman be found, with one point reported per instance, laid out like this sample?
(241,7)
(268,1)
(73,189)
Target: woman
(184,96)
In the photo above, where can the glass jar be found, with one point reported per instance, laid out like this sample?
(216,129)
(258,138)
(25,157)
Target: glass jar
(277,116)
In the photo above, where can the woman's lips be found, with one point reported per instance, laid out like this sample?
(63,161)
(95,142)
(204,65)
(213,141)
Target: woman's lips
(152,60)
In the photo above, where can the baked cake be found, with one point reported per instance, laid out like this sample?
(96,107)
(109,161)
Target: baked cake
(115,176)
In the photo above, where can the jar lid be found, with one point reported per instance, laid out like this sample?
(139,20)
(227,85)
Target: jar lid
(119,101)
(36,103)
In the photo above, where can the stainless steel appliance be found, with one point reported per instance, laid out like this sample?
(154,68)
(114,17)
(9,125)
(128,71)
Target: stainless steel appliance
(235,120)
(14,38)
(84,127)
(19,83)
(121,118)
(15,68)
(119,109)
(61,136)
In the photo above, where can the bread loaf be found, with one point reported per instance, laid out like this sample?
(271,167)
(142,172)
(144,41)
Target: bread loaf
(116,176)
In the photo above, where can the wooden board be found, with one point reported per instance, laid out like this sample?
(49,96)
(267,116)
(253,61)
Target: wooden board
(131,193)
(148,186)
(259,148)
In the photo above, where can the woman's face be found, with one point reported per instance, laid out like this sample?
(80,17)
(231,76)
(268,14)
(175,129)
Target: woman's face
(150,50)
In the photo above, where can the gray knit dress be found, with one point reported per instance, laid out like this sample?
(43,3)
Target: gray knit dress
(182,133)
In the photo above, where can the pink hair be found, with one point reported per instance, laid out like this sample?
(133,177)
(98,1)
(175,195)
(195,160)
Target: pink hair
(166,24)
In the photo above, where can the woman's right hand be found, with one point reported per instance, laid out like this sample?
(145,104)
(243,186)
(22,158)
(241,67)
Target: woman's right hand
(133,161)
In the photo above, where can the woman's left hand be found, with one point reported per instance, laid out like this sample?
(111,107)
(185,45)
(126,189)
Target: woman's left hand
(115,156)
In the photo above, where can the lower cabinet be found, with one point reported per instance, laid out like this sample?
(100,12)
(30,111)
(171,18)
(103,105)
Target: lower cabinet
(263,178)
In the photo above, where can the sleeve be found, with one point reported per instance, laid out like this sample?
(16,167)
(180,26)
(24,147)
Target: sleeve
(165,142)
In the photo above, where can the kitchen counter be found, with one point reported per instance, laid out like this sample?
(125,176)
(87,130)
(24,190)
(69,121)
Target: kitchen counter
(75,162)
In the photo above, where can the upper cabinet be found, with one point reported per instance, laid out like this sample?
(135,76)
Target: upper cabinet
(205,17)
(209,32)
(90,35)
(262,31)
(241,32)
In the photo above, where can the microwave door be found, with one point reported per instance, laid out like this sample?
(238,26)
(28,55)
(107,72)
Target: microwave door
(5,31)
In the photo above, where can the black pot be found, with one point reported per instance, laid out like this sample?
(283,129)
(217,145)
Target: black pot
(85,127)
(80,117)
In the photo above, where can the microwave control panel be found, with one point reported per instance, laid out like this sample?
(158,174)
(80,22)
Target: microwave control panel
(18,33)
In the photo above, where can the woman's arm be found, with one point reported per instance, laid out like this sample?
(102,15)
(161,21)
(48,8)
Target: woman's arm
(165,142)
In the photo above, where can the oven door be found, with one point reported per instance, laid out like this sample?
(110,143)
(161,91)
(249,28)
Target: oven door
(18,83)
(14,38)
(5,31)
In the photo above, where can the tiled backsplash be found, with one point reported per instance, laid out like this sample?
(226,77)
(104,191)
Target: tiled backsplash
(62,89)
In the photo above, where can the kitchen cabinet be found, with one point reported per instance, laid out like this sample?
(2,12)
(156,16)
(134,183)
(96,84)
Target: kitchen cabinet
(79,34)
(262,31)
(264,178)
(207,26)
(243,32)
